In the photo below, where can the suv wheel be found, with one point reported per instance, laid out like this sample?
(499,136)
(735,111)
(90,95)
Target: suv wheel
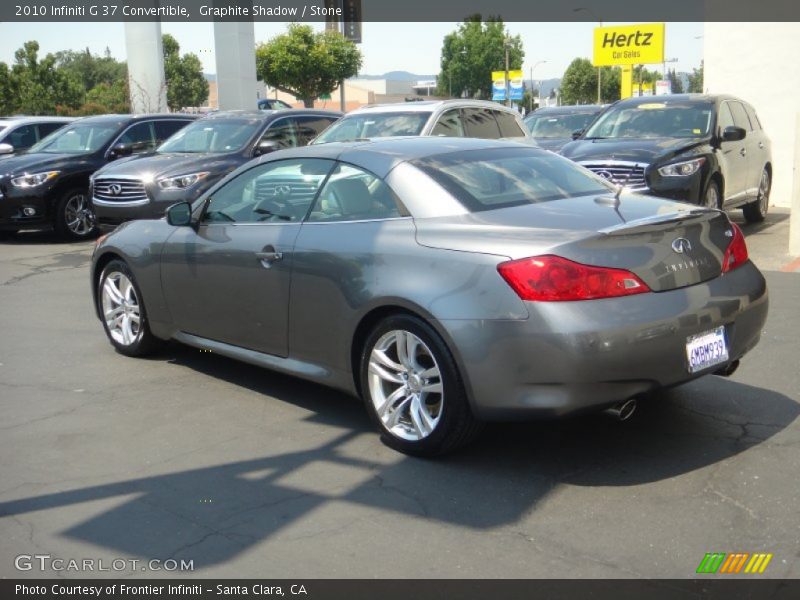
(122,311)
(755,212)
(711,197)
(412,389)
(74,216)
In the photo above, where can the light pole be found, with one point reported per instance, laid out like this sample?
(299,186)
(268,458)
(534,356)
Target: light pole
(599,69)
(506,43)
(530,98)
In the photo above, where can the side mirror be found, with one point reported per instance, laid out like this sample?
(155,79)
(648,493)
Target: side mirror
(120,150)
(180,214)
(265,147)
(733,134)
(6,149)
(576,134)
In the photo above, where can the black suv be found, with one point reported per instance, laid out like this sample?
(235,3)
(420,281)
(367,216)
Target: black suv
(49,183)
(195,158)
(705,149)
(20,133)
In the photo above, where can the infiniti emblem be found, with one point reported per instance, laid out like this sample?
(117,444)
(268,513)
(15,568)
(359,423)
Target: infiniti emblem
(283,190)
(607,175)
(115,189)
(681,245)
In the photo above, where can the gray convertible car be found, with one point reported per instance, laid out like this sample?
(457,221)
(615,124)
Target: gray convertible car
(446,281)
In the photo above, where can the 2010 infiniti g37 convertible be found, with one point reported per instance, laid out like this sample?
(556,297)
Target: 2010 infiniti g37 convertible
(447,281)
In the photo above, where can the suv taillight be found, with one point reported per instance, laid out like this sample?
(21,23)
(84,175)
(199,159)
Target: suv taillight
(554,279)
(736,254)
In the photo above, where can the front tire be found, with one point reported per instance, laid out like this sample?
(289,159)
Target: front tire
(413,390)
(122,311)
(75,219)
(711,197)
(756,212)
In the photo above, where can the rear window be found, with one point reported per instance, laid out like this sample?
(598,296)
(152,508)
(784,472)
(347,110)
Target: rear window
(503,177)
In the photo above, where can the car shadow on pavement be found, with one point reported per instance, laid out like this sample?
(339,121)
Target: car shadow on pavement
(496,481)
(40,238)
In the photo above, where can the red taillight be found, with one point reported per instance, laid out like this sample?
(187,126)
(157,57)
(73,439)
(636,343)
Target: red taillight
(736,254)
(556,279)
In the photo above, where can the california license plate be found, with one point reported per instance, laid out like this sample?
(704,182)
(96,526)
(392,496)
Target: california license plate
(706,349)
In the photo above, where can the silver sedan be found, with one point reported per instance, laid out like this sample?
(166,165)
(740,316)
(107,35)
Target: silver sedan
(446,281)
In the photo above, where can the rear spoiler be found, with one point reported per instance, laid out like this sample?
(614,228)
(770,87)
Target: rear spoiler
(655,222)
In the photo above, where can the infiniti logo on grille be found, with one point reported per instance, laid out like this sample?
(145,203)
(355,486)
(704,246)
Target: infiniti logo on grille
(115,189)
(283,190)
(681,245)
(607,175)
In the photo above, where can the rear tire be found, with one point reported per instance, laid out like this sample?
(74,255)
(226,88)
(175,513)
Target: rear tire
(74,217)
(756,211)
(413,390)
(122,310)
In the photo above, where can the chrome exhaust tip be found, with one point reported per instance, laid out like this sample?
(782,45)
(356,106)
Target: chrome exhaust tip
(623,410)
(728,370)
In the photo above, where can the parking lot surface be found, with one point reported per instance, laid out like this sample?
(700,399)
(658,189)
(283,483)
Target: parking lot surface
(248,473)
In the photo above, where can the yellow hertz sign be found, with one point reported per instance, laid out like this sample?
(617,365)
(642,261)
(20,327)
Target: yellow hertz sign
(629,45)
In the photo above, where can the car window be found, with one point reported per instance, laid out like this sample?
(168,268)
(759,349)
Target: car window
(165,129)
(22,137)
(503,177)
(740,116)
(79,138)
(509,128)
(46,129)
(274,192)
(212,135)
(449,125)
(353,194)
(480,123)
(282,132)
(309,127)
(725,118)
(374,124)
(139,137)
(751,113)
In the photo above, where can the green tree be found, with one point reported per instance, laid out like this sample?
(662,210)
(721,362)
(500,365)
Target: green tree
(472,52)
(91,69)
(675,82)
(610,84)
(186,84)
(114,97)
(305,63)
(579,83)
(34,85)
(696,80)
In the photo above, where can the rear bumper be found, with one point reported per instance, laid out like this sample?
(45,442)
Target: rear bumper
(569,357)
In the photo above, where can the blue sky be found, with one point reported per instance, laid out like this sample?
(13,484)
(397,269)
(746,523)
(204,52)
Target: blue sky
(411,47)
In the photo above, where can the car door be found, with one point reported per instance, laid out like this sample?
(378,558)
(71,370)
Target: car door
(751,149)
(227,279)
(732,158)
(139,137)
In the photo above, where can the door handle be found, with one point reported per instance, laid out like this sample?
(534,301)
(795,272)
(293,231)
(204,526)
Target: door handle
(267,257)
(761,145)
(743,152)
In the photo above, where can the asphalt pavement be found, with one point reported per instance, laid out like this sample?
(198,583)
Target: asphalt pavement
(247,473)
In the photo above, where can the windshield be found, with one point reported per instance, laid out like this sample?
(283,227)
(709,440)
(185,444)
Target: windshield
(488,179)
(81,138)
(212,135)
(558,126)
(654,120)
(372,125)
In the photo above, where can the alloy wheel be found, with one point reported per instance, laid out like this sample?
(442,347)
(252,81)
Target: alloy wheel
(712,196)
(121,309)
(405,385)
(763,193)
(78,216)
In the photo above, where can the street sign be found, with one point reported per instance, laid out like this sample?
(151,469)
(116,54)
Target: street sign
(629,45)
(663,87)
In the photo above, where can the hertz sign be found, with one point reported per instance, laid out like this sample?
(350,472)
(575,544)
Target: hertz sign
(629,45)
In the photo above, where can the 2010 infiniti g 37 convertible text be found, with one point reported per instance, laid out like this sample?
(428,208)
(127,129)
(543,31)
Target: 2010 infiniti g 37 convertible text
(446,281)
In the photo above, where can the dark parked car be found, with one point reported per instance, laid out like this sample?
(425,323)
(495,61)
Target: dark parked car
(20,133)
(705,149)
(272,104)
(554,126)
(196,158)
(440,118)
(49,183)
(446,280)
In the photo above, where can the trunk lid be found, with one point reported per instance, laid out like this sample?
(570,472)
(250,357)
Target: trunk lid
(667,244)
